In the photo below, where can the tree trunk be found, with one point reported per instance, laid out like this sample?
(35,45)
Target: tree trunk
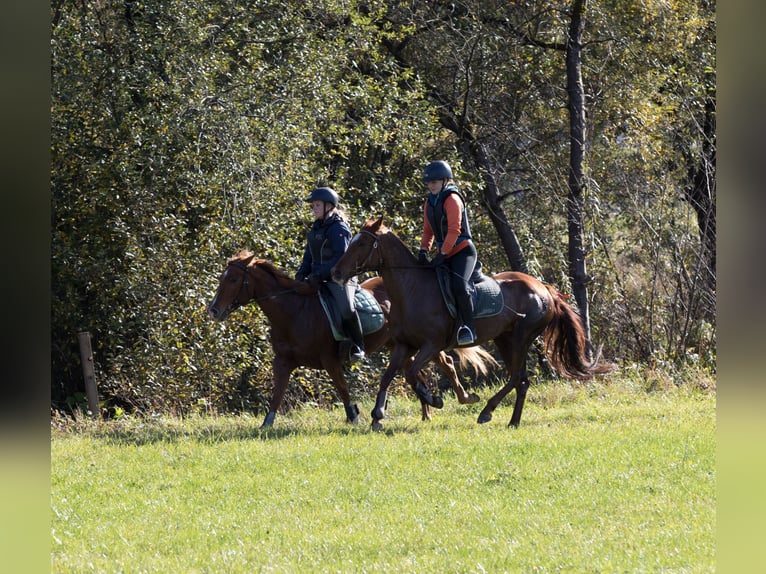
(700,193)
(577,268)
(474,151)
(492,200)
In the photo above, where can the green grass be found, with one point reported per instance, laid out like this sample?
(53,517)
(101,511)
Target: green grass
(598,478)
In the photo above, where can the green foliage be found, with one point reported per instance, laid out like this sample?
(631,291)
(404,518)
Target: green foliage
(601,477)
(182,132)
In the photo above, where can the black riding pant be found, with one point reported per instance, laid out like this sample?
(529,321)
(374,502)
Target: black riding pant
(462,266)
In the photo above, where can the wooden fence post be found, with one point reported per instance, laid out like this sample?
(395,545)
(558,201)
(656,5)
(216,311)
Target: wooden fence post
(89,373)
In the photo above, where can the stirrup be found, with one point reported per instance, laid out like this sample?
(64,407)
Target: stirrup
(465,336)
(356,354)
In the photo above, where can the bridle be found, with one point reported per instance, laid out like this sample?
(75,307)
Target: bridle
(363,266)
(359,267)
(235,304)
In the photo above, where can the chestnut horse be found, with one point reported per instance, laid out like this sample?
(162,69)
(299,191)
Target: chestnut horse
(301,335)
(421,324)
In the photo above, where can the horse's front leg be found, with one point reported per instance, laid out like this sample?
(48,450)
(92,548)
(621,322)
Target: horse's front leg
(398,355)
(416,378)
(425,409)
(281,371)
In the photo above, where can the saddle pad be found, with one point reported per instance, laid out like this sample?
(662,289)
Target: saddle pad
(485,293)
(369,311)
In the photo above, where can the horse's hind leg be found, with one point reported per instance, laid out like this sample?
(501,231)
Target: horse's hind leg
(446,365)
(514,353)
(521,396)
(335,370)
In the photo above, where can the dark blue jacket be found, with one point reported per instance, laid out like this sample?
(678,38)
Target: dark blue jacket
(326,242)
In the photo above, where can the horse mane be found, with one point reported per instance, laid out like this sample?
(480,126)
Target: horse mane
(243,256)
(377,227)
(248,258)
(279,274)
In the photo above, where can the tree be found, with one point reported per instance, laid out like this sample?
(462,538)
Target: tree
(182,132)
(576,179)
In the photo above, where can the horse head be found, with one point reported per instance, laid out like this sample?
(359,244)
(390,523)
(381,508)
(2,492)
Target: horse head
(233,287)
(362,253)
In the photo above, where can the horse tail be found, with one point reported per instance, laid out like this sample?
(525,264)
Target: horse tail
(565,343)
(476,357)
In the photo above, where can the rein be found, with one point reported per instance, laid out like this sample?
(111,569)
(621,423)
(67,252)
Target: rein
(360,266)
(375,237)
(245,271)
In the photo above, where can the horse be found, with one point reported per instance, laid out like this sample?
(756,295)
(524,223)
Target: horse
(421,324)
(301,334)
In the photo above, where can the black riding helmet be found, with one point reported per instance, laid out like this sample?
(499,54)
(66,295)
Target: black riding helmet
(437,170)
(326,194)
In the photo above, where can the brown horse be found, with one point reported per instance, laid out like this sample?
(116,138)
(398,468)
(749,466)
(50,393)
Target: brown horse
(421,324)
(301,335)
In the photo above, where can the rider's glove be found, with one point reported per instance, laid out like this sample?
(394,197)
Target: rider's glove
(438,260)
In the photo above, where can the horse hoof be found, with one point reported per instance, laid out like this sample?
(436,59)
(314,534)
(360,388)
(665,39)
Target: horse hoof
(422,392)
(377,425)
(268,422)
(425,396)
(484,418)
(352,414)
(377,414)
(472,398)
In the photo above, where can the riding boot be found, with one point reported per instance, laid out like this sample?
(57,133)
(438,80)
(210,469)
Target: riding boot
(353,327)
(465,334)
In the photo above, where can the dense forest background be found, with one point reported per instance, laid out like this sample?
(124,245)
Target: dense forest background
(183,131)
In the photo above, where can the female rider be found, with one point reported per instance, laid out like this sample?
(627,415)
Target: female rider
(445,222)
(327,240)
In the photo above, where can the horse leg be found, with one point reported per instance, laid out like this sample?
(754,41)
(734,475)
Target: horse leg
(281,371)
(398,355)
(352,413)
(524,334)
(335,370)
(421,389)
(521,396)
(446,365)
(514,354)
(416,378)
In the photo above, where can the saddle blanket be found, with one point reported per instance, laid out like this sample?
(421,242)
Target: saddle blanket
(367,307)
(485,292)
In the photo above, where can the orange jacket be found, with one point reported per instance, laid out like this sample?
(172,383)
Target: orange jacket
(453,207)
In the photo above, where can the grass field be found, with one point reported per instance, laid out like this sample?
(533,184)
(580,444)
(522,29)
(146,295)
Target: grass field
(599,477)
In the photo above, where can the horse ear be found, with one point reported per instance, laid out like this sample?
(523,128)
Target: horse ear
(378,224)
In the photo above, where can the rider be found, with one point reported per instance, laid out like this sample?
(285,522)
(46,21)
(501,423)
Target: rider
(327,240)
(445,220)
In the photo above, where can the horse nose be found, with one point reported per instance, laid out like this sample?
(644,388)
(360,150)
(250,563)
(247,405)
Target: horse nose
(213,312)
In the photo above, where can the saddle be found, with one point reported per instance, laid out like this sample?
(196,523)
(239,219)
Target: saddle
(484,290)
(367,307)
